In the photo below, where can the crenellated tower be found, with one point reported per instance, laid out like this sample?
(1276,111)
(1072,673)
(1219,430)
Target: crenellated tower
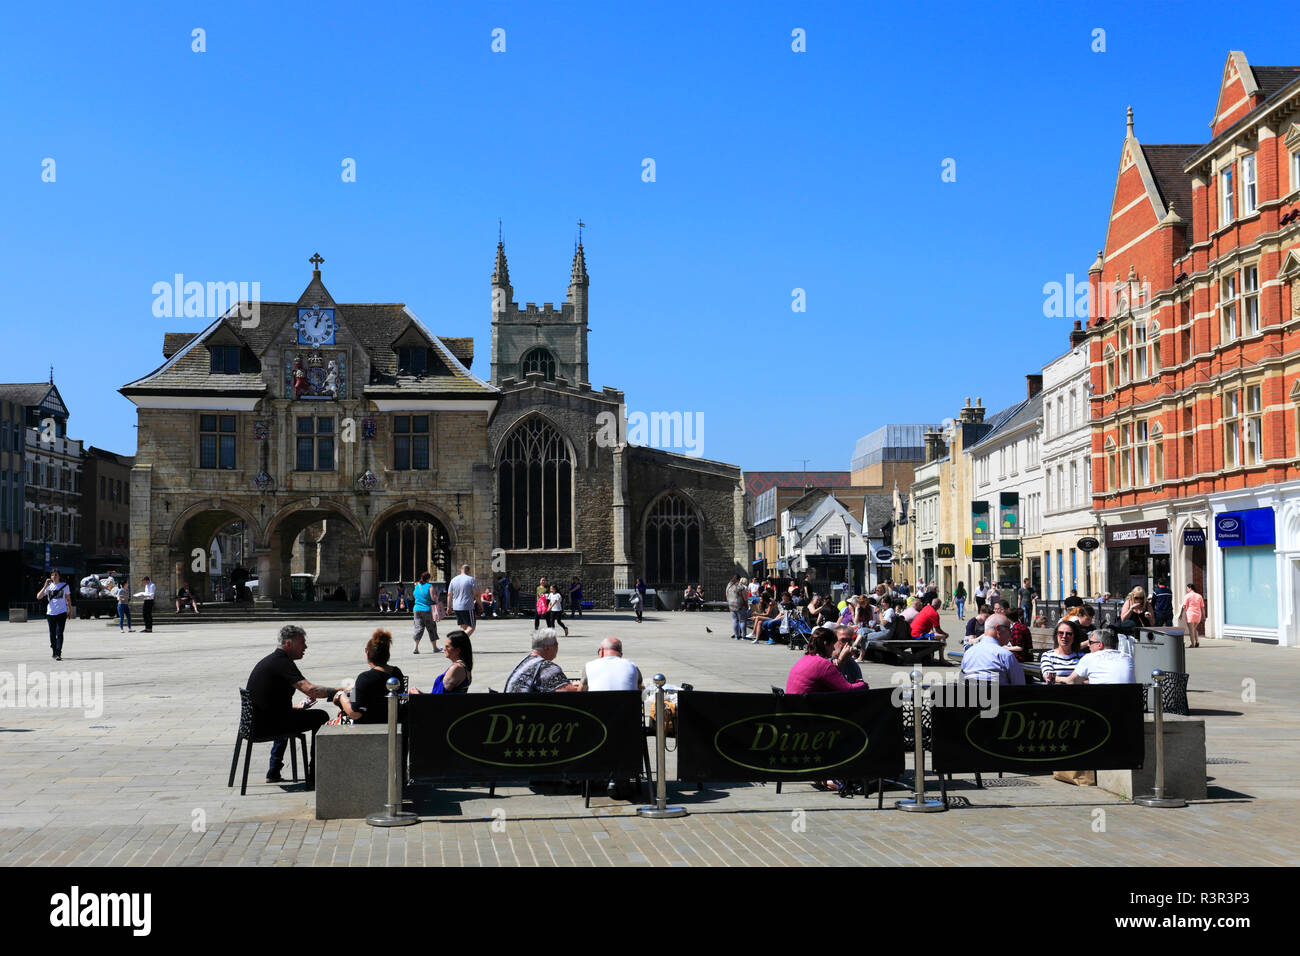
(543,339)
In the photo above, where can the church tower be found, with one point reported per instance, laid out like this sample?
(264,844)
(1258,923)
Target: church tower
(547,340)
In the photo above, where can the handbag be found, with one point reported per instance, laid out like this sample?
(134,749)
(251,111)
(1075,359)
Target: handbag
(542,605)
(438,612)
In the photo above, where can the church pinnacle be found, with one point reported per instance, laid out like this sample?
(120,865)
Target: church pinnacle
(501,272)
(579,273)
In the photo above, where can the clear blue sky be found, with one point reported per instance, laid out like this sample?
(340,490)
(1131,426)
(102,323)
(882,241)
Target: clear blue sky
(775,170)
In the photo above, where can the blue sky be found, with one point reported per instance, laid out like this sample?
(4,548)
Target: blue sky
(775,170)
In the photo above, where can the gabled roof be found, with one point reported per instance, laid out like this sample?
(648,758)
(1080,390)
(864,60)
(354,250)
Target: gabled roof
(877,510)
(375,326)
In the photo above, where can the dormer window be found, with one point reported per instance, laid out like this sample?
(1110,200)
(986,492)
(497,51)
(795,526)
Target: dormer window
(225,359)
(412,361)
(539,360)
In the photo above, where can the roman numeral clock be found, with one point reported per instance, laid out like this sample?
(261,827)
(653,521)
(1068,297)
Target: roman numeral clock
(316,327)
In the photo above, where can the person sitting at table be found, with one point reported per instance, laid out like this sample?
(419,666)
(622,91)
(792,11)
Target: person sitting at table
(1136,612)
(1105,665)
(1022,639)
(768,624)
(458,675)
(368,702)
(814,672)
(1059,662)
(975,626)
(926,622)
(538,673)
(988,658)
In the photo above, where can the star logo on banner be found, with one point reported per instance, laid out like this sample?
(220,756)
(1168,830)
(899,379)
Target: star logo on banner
(506,753)
(1020,749)
(554,752)
(532,753)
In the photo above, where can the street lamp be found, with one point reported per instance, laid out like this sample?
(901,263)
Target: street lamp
(848,552)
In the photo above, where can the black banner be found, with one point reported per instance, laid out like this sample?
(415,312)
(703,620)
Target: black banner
(1042,727)
(852,735)
(535,736)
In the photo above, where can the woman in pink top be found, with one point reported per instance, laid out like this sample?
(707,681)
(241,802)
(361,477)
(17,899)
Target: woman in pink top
(1193,614)
(815,672)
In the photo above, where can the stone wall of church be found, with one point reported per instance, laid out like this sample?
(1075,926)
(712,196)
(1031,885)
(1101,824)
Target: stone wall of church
(573,411)
(711,486)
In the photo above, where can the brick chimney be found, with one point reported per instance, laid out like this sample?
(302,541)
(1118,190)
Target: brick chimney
(1034,384)
(971,414)
(1077,335)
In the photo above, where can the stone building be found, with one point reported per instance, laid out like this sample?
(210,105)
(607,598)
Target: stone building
(106,510)
(358,449)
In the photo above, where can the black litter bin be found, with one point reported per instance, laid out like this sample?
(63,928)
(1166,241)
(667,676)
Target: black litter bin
(1157,648)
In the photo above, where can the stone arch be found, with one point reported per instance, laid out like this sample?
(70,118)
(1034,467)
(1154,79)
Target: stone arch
(215,505)
(536,465)
(539,358)
(412,504)
(322,504)
(671,539)
(316,546)
(193,531)
(409,538)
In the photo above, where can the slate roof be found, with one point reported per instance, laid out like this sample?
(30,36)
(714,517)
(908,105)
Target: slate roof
(1166,165)
(877,510)
(25,394)
(375,326)
(1012,417)
(1273,78)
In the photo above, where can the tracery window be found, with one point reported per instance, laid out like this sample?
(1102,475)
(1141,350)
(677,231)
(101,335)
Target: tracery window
(672,542)
(535,484)
(539,360)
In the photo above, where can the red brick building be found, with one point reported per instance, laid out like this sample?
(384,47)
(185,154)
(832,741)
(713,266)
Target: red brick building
(1194,345)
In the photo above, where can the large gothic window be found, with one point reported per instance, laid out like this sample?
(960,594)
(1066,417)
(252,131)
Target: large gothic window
(539,360)
(535,479)
(672,542)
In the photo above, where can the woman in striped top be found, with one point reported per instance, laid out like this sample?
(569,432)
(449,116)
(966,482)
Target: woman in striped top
(1061,659)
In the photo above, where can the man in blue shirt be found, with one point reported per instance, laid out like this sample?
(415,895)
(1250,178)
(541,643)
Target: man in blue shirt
(988,660)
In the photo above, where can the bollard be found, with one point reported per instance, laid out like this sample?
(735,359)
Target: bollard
(919,803)
(393,815)
(660,810)
(1158,799)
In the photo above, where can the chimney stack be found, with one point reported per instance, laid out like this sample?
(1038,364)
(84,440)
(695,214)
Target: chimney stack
(934,446)
(1034,383)
(1077,336)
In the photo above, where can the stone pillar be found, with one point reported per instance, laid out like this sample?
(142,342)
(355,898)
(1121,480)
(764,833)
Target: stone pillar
(623,577)
(264,572)
(367,582)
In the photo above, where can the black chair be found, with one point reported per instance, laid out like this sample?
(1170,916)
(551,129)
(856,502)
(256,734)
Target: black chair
(248,736)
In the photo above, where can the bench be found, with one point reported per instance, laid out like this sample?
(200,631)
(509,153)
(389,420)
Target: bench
(716,606)
(928,651)
(352,770)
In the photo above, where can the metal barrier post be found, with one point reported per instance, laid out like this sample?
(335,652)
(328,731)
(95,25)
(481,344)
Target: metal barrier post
(919,803)
(660,810)
(393,815)
(1158,799)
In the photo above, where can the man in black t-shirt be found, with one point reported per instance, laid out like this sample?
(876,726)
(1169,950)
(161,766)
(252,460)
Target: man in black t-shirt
(271,685)
(1073,600)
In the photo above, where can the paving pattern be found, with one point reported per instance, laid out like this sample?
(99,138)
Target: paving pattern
(141,780)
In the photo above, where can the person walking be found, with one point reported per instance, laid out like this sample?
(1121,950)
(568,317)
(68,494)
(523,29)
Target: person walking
(959,597)
(542,605)
(422,599)
(637,602)
(57,593)
(555,609)
(462,593)
(1193,613)
(575,596)
(149,592)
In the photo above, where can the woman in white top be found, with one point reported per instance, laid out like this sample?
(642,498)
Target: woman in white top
(56,591)
(555,609)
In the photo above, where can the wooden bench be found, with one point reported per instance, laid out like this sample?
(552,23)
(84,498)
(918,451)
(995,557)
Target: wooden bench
(928,651)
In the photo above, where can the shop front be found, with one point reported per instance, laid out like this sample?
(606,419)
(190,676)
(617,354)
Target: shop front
(1130,559)
(1248,565)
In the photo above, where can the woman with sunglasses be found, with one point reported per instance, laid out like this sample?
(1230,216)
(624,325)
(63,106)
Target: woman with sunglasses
(1060,661)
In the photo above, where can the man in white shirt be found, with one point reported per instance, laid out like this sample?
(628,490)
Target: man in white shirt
(149,592)
(1106,664)
(610,670)
(462,592)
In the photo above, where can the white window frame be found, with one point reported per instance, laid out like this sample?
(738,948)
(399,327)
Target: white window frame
(1253,432)
(1250,300)
(1228,291)
(1249,186)
(1226,195)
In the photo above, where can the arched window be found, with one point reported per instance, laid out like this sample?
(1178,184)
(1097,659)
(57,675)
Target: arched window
(672,542)
(539,360)
(535,480)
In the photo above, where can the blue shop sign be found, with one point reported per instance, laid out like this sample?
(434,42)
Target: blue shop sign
(1193,537)
(1244,528)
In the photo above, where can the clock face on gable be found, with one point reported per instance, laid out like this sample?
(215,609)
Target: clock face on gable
(315,326)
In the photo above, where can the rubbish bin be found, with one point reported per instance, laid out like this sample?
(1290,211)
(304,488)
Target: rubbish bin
(1154,648)
(670,599)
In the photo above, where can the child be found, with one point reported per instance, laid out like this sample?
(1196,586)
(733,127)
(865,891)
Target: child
(555,609)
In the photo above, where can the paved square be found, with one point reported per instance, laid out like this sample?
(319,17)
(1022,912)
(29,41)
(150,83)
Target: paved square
(144,782)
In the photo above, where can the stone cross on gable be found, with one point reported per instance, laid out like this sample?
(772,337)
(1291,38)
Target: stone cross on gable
(315,261)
